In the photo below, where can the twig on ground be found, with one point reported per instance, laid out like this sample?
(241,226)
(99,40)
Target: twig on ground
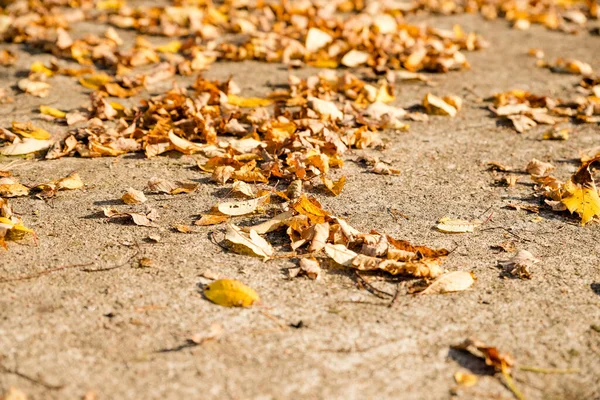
(37,381)
(46,272)
(541,370)
(374,291)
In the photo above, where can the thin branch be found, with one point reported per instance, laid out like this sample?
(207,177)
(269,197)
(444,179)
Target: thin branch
(37,381)
(46,272)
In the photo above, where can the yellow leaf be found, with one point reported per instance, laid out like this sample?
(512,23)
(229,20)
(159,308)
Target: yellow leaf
(38,66)
(94,82)
(465,379)
(582,200)
(171,47)
(248,102)
(335,187)
(28,130)
(331,64)
(109,5)
(53,112)
(230,293)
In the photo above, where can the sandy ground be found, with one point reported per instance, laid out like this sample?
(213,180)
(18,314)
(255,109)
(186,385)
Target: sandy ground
(121,333)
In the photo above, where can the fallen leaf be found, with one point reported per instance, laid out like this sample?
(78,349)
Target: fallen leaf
(165,186)
(236,208)
(53,112)
(311,268)
(248,102)
(28,130)
(133,196)
(211,219)
(340,254)
(556,134)
(230,293)
(501,362)
(316,39)
(582,199)
(520,265)
(25,146)
(539,168)
(335,187)
(384,169)
(248,243)
(437,106)
(456,281)
(449,225)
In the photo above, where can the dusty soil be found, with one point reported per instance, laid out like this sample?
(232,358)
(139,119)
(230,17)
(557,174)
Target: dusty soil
(122,333)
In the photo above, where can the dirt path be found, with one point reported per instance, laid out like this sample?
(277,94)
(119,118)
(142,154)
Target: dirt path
(122,333)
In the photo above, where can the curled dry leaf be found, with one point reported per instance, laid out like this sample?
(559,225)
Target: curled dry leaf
(520,265)
(438,106)
(501,362)
(309,267)
(230,293)
(384,169)
(340,254)
(9,187)
(242,188)
(171,187)
(335,187)
(250,243)
(316,39)
(137,218)
(456,281)
(211,219)
(539,168)
(319,237)
(450,225)
(556,134)
(133,196)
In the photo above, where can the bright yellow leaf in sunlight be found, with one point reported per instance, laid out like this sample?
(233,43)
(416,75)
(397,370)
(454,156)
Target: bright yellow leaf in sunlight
(583,200)
(248,102)
(53,112)
(230,293)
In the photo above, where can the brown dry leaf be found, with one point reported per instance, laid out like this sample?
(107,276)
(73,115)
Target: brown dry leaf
(501,362)
(311,208)
(524,206)
(436,106)
(133,196)
(450,225)
(273,224)
(28,130)
(181,228)
(211,219)
(572,66)
(230,293)
(171,187)
(9,187)
(340,254)
(243,189)
(456,281)
(494,165)
(556,134)
(384,169)
(310,267)
(539,168)
(71,182)
(326,109)
(335,187)
(319,237)
(222,174)
(137,218)
(522,123)
(424,268)
(236,208)
(520,265)
(214,332)
(250,243)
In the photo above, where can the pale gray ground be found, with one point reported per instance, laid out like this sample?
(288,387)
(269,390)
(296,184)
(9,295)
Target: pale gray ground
(103,331)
